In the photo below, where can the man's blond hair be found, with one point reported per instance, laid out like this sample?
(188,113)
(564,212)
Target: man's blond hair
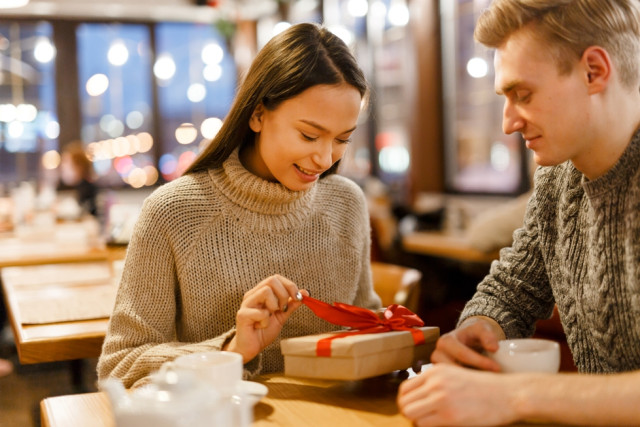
(569,27)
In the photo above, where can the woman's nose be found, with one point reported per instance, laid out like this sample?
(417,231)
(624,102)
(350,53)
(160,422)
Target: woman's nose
(323,155)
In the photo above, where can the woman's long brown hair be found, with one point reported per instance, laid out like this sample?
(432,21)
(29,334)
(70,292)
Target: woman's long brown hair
(300,57)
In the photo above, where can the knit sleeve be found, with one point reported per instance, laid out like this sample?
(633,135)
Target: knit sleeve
(142,330)
(517,292)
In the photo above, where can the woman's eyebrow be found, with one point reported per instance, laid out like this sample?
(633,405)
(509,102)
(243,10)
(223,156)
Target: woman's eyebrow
(322,128)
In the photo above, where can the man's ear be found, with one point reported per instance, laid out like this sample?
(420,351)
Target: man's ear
(255,122)
(597,67)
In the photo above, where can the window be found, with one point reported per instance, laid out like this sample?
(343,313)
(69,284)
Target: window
(115,89)
(479,157)
(377,33)
(196,78)
(28,122)
(149,97)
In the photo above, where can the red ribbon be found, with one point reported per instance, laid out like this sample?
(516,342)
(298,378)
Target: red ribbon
(363,321)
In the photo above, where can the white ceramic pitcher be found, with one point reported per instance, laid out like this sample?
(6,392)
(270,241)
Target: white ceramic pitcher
(172,399)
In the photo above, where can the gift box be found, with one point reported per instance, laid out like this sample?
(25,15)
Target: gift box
(357,356)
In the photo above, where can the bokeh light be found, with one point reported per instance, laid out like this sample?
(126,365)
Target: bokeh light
(358,8)
(186,133)
(210,127)
(137,178)
(212,72)
(123,165)
(52,129)
(212,53)
(51,160)
(97,84)
(118,53)
(477,67)
(184,161)
(196,92)
(165,67)
(44,50)
(394,159)
(134,119)
(146,141)
(168,164)
(151,174)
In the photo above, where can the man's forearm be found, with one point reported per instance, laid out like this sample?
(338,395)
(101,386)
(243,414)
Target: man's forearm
(579,398)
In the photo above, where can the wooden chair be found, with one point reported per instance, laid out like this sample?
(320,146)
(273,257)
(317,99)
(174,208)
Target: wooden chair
(396,284)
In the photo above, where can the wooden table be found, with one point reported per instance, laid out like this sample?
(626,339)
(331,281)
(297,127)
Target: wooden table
(289,402)
(56,243)
(38,341)
(18,252)
(445,245)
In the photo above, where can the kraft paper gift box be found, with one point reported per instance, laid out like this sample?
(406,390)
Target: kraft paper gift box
(356,357)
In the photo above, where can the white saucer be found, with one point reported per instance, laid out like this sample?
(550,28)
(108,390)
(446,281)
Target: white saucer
(254,391)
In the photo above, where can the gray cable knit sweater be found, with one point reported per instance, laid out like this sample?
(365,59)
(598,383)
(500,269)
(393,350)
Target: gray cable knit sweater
(205,239)
(580,248)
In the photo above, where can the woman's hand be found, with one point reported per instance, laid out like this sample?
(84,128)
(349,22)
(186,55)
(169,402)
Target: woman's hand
(262,314)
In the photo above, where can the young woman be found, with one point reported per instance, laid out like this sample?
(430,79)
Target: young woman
(218,255)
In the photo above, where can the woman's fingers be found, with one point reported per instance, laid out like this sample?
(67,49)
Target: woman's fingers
(293,304)
(274,295)
(282,289)
(256,317)
(262,314)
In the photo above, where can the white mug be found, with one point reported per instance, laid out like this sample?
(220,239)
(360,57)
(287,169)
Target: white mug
(222,370)
(527,355)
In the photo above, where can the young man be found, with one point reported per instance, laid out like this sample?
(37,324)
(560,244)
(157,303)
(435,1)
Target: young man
(569,73)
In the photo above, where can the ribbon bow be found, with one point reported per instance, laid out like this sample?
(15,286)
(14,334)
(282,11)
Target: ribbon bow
(363,321)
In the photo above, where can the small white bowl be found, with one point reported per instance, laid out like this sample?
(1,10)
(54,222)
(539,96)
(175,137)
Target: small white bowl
(528,355)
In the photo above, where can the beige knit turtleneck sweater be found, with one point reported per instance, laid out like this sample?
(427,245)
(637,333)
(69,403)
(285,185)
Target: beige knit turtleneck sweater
(205,239)
(579,248)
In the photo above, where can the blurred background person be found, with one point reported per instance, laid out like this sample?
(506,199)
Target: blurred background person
(76,173)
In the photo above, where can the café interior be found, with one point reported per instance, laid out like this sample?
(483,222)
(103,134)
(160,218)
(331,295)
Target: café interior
(142,86)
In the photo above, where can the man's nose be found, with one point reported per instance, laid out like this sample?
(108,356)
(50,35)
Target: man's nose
(512,121)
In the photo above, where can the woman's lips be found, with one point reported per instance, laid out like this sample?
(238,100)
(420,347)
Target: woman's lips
(306,174)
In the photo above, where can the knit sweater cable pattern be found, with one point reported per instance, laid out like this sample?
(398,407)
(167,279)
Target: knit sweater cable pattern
(580,248)
(205,239)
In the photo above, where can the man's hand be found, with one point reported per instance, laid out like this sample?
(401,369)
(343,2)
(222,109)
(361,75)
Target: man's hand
(446,395)
(465,345)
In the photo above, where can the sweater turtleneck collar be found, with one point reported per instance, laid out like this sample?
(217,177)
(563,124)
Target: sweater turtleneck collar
(257,195)
(626,166)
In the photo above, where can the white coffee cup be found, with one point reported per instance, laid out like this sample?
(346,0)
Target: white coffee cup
(222,370)
(527,355)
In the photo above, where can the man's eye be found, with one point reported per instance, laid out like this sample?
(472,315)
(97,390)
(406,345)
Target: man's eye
(523,96)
